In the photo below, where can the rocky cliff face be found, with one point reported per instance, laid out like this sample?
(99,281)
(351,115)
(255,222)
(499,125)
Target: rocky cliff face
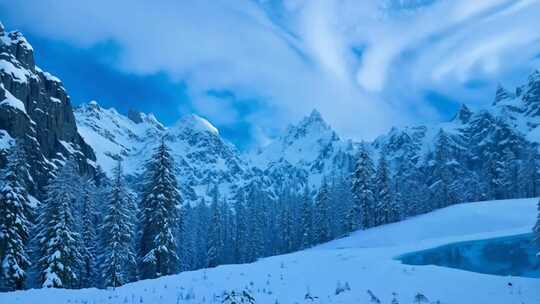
(35,110)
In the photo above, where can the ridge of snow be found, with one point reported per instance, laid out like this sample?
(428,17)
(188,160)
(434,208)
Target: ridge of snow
(6,141)
(203,158)
(50,77)
(11,101)
(19,74)
(195,123)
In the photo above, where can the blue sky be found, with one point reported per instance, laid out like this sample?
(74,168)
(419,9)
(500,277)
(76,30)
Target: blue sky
(251,67)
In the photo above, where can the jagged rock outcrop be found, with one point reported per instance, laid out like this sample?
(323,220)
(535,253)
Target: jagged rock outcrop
(36,110)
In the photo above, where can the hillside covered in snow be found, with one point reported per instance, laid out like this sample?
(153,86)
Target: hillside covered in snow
(354,269)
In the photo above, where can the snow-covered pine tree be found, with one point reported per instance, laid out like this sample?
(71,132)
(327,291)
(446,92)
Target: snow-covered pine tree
(441,175)
(340,205)
(59,257)
(88,274)
(256,220)
(286,225)
(160,203)
(15,208)
(117,258)
(405,187)
(362,214)
(202,218)
(227,237)
(536,230)
(384,211)
(306,219)
(321,220)
(240,239)
(186,238)
(510,174)
(215,245)
(529,179)
(494,172)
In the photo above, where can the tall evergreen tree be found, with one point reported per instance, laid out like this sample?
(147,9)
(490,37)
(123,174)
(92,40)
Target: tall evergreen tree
(441,176)
(160,203)
(256,220)
(287,233)
(529,178)
(321,220)
(202,218)
(215,244)
(510,174)
(117,258)
(385,210)
(536,230)
(362,214)
(306,219)
(15,208)
(89,239)
(59,257)
(240,239)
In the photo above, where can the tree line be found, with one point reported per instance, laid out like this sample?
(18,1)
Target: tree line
(99,232)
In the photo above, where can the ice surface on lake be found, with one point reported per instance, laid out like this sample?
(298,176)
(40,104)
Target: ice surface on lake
(512,255)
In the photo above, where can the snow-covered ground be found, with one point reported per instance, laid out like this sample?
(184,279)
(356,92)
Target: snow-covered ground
(363,261)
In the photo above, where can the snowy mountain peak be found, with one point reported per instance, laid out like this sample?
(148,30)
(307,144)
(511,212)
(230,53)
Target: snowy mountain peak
(311,149)
(463,114)
(531,94)
(93,105)
(194,123)
(310,127)
(315,120)
(135,116)
(534,76)
(502,94)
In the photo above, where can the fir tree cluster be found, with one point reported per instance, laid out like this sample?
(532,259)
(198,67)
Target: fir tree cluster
(98,232)
(88,232)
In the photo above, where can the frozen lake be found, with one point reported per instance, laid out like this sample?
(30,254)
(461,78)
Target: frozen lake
(512,255)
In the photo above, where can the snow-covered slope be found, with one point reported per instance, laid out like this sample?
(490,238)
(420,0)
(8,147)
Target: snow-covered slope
(363,261)
(203,158)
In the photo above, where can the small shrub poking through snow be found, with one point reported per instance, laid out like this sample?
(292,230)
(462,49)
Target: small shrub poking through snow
(234,297)
(420,298)
(342,288)
(372,297)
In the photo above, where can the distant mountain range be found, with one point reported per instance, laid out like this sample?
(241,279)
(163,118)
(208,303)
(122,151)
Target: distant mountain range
(36,110)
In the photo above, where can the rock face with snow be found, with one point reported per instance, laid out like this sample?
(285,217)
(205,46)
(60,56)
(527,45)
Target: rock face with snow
(311,148)
(511,122)
(203,158)
(35,109)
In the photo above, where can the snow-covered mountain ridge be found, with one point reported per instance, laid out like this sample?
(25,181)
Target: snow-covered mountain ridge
(513,115)
(34,106)
(309,150)
(203,158)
